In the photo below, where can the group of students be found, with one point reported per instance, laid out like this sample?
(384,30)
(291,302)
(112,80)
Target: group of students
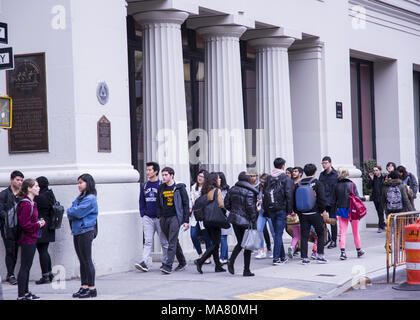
(33,202)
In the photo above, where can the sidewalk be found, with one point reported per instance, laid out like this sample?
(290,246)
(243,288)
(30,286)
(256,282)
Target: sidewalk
(289,281)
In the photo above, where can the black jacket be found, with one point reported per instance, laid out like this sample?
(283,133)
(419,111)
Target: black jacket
(341,191)
(319,189)
(44,201)
(7,201)
(181,201)
(287,201)
(376,185)
(404,195)
(329,180)
(241,200)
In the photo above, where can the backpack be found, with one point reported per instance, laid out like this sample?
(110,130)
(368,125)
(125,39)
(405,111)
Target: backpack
(273,194)
(57,212)
(394,199)
(357,209)
(305,196)
(199,206)
(12,229)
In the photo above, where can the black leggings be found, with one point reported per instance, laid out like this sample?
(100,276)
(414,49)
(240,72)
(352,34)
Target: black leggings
(239,233)
(83,246)
(267,237)
(11,248)
(44,257)
(27,257)
(215,235)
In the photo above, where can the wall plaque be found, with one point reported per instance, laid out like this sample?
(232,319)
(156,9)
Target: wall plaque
(26,85)
(104,135)
(339,110)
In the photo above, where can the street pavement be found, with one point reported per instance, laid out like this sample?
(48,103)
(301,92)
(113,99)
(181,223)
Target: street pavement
(285,282)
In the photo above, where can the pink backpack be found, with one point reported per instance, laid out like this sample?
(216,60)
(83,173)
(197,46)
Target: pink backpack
(357,208)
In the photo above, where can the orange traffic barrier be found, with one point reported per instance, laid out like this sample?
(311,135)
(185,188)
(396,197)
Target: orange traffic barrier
(412,249)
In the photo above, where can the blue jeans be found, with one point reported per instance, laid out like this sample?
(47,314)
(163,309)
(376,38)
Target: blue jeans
(224,248)
(196,240)
(261,222)
(278,219)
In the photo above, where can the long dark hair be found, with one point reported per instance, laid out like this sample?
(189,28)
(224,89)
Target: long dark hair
(210,183)
(90,185)
(223,183)
(28,183)
(205,173)
(403,171)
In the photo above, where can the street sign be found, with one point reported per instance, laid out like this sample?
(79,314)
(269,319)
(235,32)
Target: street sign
(6,58)
(5,112)
(3,33)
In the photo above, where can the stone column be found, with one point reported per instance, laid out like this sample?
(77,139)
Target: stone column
(165,116)
(274,114)
(224,116)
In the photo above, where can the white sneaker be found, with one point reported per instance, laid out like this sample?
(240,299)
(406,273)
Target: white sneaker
(270,254)
(261,255)
(290,252)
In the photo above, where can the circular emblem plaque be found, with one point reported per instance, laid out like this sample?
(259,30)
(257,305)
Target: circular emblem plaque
(102,92)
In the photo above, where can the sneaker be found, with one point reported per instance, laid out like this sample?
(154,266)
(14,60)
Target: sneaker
(261,255)
(223,262)
(12,280)
(306,261)
(270,254)
(161,267)
(296,253)
(360,253)
(333,244)
(343,255)
(321,259)
(142,266)
(280,261)
(31,296)
(44,279)
(290,252)
(208,261)
(180,267)
(166,270)
(313,255)
(380,230)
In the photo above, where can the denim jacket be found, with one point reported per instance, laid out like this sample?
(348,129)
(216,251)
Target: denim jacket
(83,214)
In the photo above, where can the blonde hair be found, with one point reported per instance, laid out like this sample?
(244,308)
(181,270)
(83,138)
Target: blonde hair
(343,173)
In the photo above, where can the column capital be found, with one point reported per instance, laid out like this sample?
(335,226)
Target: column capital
(221,31)
(156,17)
(276,42)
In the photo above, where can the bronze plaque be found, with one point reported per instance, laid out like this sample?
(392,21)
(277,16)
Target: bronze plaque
(104,135)
(26,85)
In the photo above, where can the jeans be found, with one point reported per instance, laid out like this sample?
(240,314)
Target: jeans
(278,219)
(239,233)
(170,229)
(261,226)
(224,248)
(44,257)
(27,257)
(11,248)
(83,247)
(195,232)
(150,226)
(215,235)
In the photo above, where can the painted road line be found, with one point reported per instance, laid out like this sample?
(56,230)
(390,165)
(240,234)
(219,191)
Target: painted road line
(275,294)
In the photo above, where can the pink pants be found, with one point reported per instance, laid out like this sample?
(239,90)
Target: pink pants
(343,230)
(296,235)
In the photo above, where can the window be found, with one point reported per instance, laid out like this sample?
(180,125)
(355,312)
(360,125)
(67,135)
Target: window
(362,111)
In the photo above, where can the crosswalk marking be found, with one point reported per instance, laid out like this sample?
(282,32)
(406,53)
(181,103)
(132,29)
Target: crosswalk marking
(275,294)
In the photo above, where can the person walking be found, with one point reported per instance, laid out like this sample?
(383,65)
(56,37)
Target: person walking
(329,178)
(211,188)
(151,225)
(293,224)
(8,199)
(262,220)
(395,196)
(45,201)
(375,183)
(224,248)
(278,202)
(309,203)
(173,210)
(30,227)
(197,227)
(241,202)
(341,202)
(83,215)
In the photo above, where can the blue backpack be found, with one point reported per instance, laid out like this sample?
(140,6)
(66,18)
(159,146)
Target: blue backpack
(305,196)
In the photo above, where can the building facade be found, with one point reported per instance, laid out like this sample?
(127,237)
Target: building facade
(225,85)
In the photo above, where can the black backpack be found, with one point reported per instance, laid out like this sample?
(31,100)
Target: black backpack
(199,206)
(57,212)
(273,194)
(12,229)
